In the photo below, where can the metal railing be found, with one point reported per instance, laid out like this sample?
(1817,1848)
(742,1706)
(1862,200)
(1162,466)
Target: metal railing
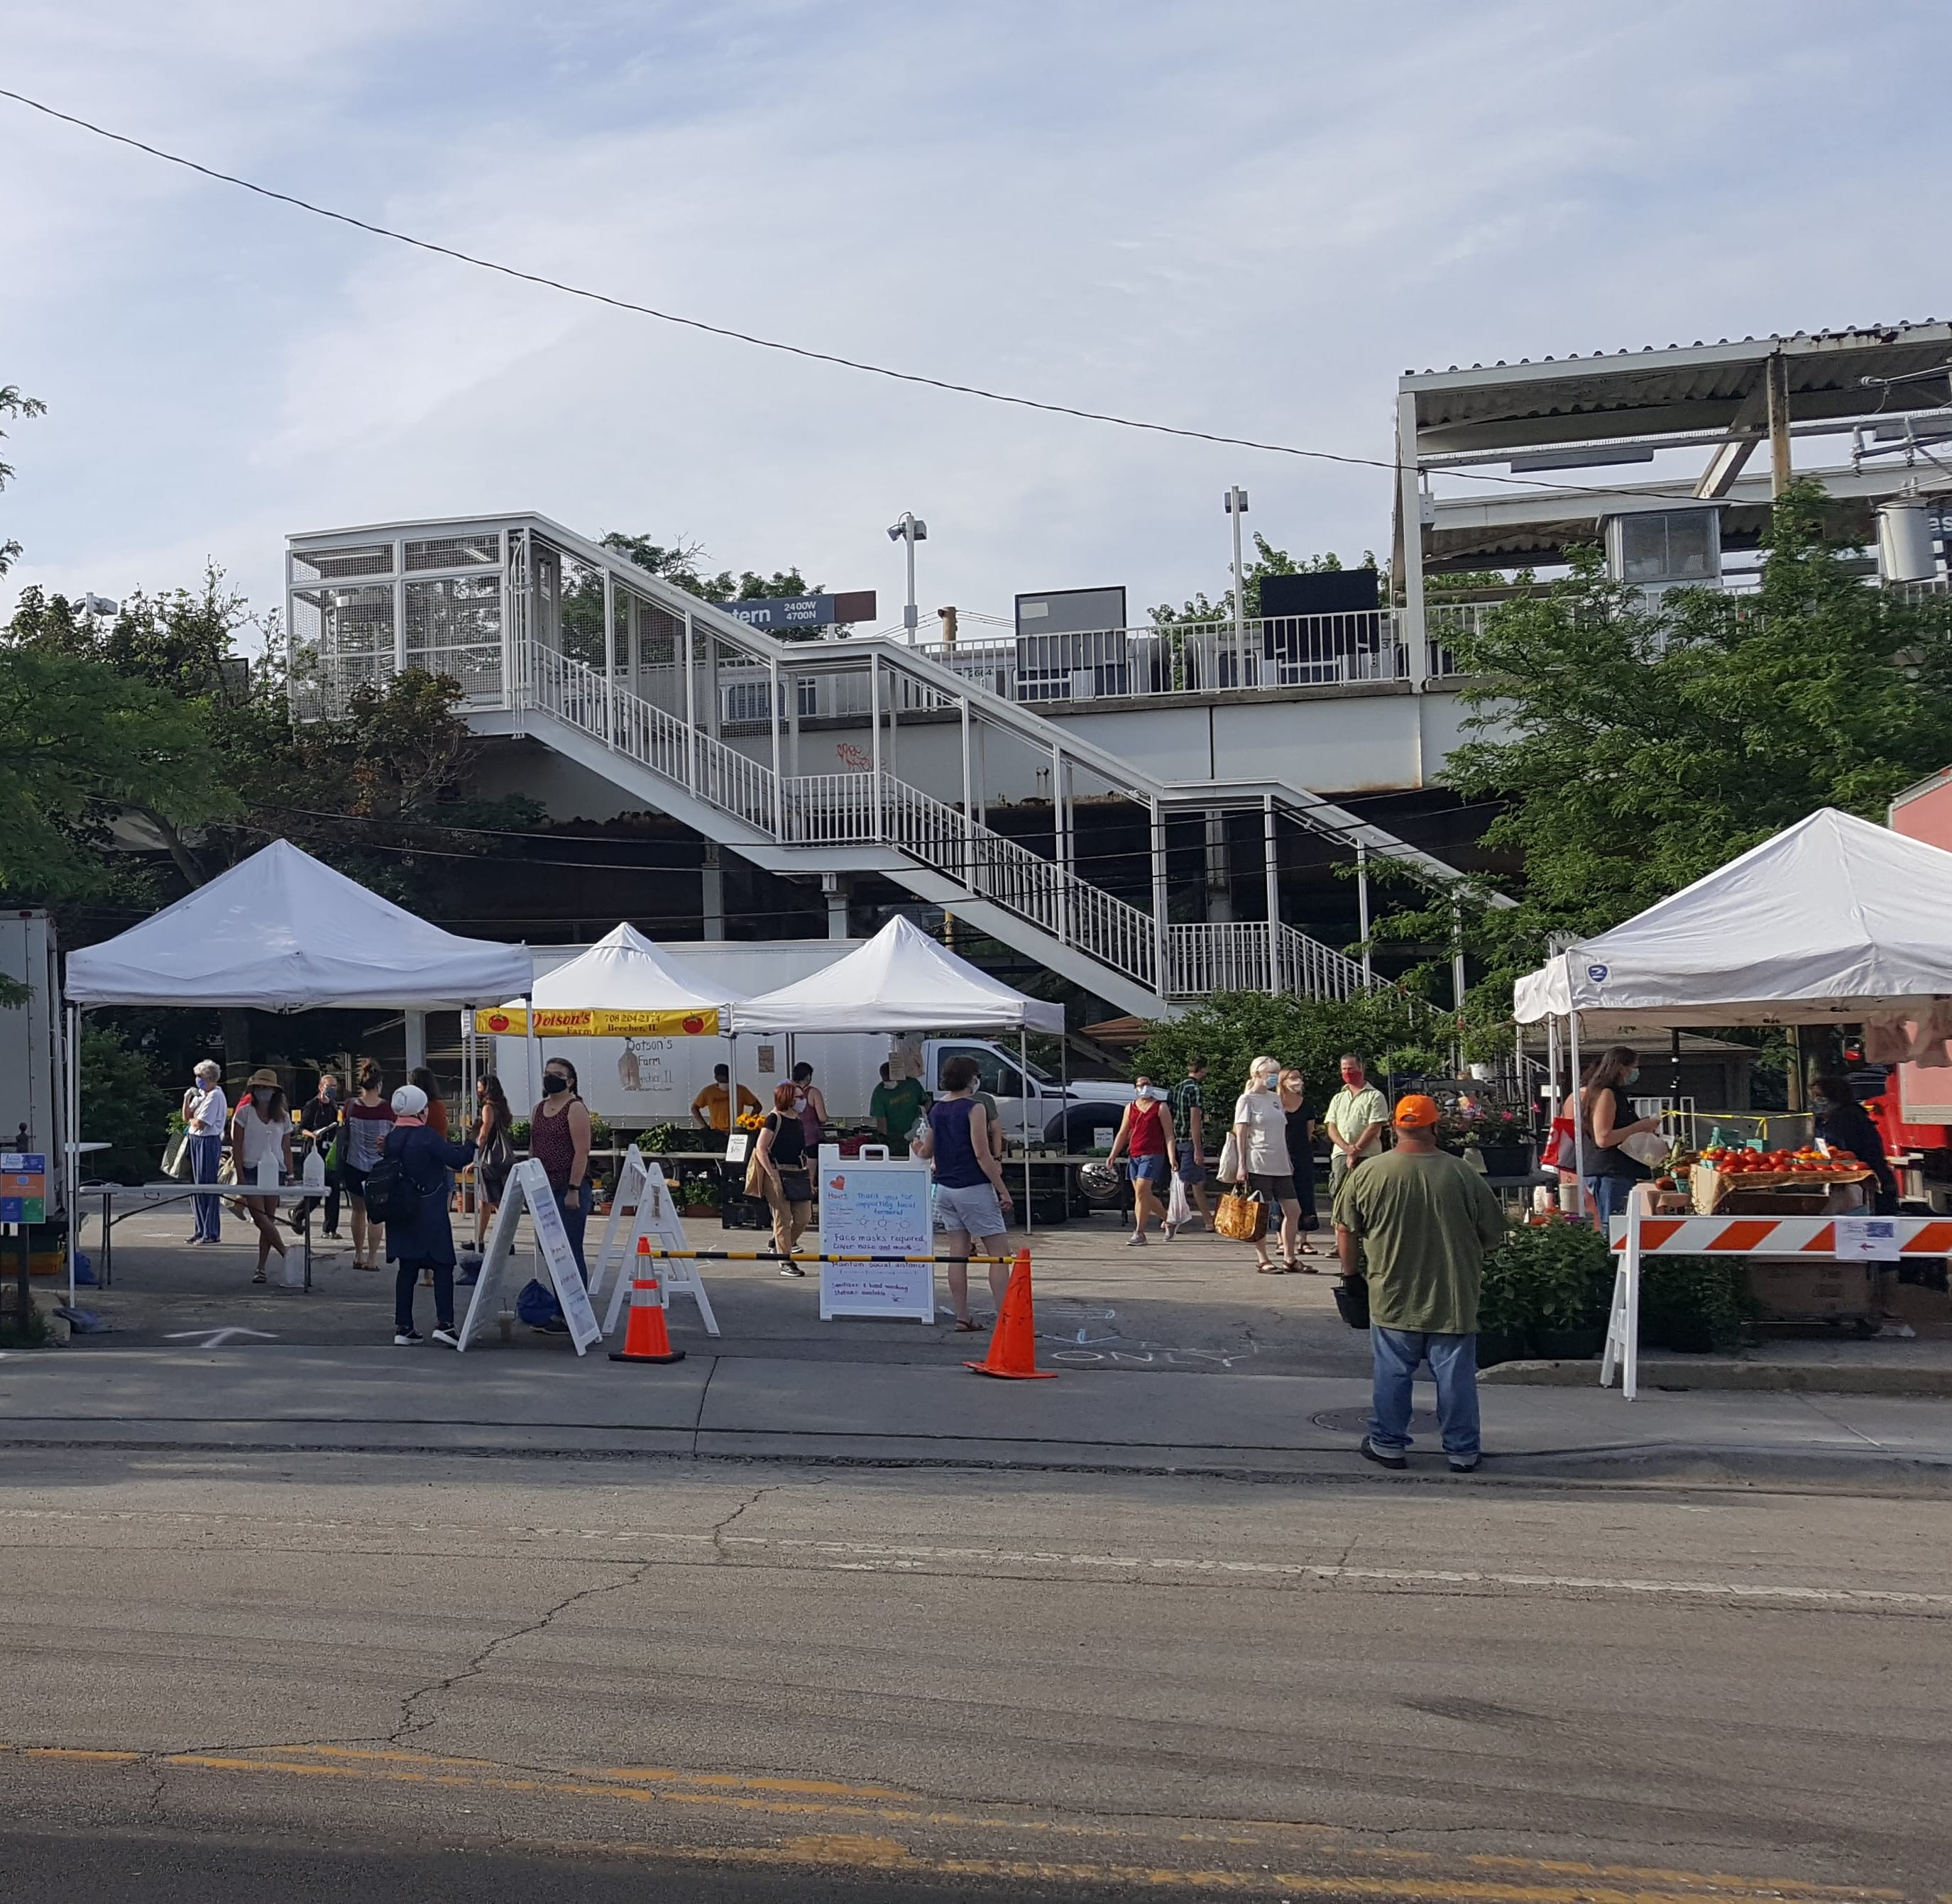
(837,809)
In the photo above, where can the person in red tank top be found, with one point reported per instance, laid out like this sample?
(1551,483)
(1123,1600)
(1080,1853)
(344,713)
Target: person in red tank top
(1146,1137)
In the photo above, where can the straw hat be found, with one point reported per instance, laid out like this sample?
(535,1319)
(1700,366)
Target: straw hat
(265,1075)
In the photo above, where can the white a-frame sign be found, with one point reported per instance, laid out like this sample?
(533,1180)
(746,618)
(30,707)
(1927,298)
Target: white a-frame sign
(528,1189)
(642,1209)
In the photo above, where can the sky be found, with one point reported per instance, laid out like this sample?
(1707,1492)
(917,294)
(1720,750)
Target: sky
(1249,220)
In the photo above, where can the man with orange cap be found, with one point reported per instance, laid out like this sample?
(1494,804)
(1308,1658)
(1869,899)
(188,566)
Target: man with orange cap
(1423,1220)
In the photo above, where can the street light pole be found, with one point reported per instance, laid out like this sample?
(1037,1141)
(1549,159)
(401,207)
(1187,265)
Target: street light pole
(1235,503)
(909,528)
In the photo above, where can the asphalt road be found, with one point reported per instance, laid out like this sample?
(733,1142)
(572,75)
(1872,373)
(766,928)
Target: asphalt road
(325,1677)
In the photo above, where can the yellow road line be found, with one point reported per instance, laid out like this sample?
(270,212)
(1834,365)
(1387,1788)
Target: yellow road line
(1555,1881)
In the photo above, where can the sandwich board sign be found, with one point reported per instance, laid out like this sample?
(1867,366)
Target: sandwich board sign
(529,1189)
(876,1205)
(24,1186)
(642,1211)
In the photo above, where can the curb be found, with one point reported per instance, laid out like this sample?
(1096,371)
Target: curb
(1681,1373)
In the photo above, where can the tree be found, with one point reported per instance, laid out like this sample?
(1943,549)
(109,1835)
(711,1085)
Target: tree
(1231,1028)
(79,744)
(679,565)
(120,1106)
(12,403)
(1268,561)
(1637,747)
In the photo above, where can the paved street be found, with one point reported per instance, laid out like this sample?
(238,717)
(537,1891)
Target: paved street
(293,1673)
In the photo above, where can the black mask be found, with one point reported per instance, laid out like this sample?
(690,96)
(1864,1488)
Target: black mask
(553,1085)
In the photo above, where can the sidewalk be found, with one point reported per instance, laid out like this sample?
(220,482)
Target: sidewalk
(1174,1358)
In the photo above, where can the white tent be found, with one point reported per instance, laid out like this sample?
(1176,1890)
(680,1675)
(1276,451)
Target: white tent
(1835,920)
(900,981)
(624,971)
(283,932)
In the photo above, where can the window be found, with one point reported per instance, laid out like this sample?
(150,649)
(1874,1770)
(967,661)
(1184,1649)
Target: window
(1666,545)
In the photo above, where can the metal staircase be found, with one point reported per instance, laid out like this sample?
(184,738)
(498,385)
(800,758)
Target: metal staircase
(494,604)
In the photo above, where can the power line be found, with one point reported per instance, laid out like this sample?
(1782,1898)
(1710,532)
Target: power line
(778,344)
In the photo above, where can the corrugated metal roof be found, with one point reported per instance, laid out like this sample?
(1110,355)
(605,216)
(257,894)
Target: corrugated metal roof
(1883,332)
(1682,387)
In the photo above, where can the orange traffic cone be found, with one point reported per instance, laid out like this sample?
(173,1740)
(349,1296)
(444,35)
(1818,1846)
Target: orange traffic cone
(645,1338)
(1013,1342)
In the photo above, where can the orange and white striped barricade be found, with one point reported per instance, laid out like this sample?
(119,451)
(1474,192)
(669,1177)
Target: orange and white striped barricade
(1847,1239)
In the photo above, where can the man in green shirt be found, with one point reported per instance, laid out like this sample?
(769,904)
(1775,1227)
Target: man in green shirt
(1424,1219)
(894,1108)
(1354,1120)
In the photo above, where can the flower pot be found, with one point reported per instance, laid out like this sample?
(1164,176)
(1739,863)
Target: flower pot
(1507,1160)
(1568,1345)
(1495,1345)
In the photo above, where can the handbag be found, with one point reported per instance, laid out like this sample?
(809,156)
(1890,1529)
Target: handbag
(175,1157)
(1558,1152)
(1244,1219)
(1228,1168)
(1352,1301)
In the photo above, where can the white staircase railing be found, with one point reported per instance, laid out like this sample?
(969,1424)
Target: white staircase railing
(855,809)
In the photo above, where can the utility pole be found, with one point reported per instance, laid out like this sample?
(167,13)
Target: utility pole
(909,529)
(1777,372)
(1235,503)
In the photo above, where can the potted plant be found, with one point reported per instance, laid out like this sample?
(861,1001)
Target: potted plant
(1547,1288)
(1500,1138)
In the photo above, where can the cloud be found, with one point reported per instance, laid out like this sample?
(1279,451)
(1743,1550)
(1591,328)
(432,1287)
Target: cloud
(1250,223)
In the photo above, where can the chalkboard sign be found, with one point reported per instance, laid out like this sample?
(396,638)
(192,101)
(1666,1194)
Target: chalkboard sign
(876,1205)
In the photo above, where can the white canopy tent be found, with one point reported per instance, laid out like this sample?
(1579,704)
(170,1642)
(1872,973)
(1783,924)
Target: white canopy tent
(624,971)
(283,932)
(625,984)
(280,932)
(1834,920)
(901,980)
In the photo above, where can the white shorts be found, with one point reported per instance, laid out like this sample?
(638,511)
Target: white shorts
(974,1210)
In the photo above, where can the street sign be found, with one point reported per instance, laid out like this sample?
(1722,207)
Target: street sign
(805,610)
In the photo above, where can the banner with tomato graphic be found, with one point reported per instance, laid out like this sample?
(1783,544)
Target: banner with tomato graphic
(512,1022)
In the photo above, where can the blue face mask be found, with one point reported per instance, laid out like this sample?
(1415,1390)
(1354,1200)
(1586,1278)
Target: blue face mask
(1634,1076)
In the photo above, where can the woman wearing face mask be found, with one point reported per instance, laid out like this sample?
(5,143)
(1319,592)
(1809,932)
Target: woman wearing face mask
(559,1135)
(1603,1103)
(1844,1124)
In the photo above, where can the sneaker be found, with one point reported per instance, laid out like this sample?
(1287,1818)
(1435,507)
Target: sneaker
(1136,1241)
(791,1269)
(1382,1456)
(408,1340)
(1169,1231)
(1465,1464)
(447,1338)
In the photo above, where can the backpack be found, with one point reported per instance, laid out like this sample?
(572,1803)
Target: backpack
(392,1195)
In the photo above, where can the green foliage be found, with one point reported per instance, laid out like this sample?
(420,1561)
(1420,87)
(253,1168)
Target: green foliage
(1555,1275)
(121,1105)
(1693,1301)
(1231,1028)
(12,403)
(79,743)
(1268,560)
(678,564)
(1636,750)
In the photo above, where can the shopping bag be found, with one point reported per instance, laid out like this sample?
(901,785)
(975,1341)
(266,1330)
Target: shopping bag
(1243,1218)
(1557,1154)
(1178,1205)
(175,1157)
(1228,1168)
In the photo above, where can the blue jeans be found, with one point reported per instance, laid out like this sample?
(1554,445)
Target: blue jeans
(1609,1195)
(1453,1362)
(205,1155)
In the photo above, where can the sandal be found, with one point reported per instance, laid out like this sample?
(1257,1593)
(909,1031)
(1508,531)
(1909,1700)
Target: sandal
(967,1326)
(260,1278)
(1268,1269)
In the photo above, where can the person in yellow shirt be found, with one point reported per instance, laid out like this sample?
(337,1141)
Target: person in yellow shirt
(712,1107)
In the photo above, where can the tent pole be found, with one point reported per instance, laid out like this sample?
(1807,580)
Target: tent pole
(71,1160)
(1578,1115)
(535,1043)
(1024,1079)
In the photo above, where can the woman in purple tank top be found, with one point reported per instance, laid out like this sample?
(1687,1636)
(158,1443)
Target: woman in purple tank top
(559,1140)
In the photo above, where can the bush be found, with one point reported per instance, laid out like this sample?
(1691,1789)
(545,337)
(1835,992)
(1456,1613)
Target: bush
(1556,1275)
(1687,1300)
(122,1106)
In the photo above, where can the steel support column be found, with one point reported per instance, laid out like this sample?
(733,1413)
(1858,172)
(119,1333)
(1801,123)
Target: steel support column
(1270,851)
